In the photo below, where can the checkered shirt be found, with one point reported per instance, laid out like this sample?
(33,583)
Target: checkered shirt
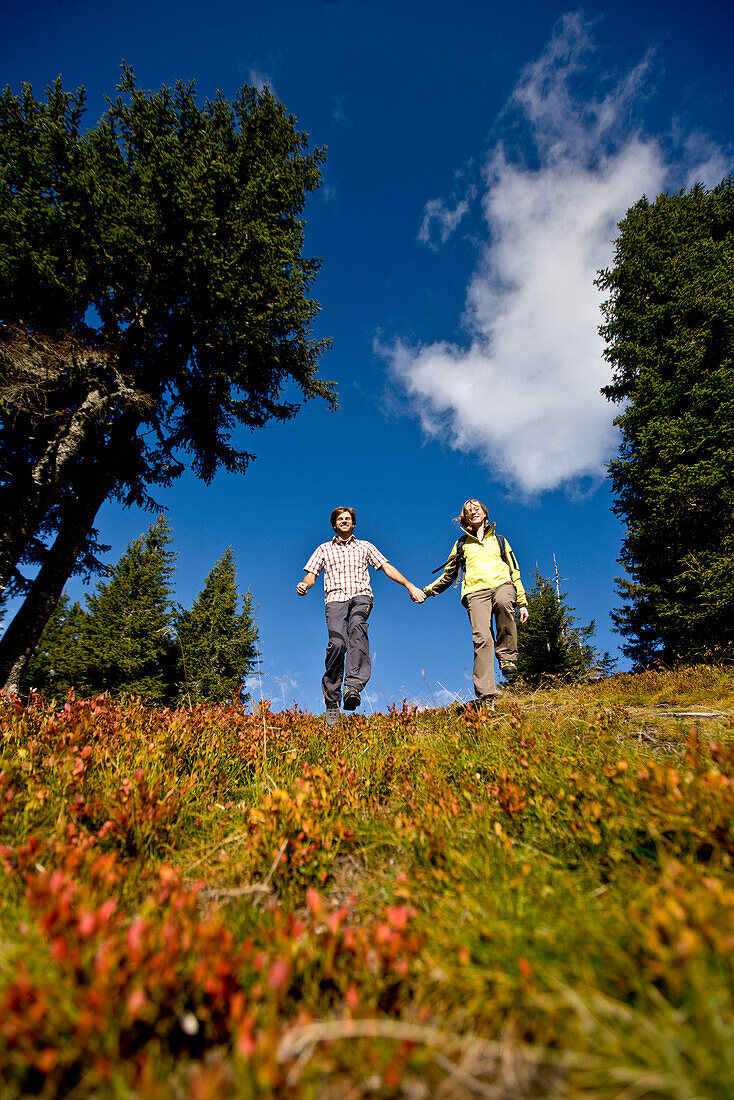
(345,567)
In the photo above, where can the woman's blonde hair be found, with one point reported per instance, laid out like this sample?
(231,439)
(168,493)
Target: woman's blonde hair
(464,515)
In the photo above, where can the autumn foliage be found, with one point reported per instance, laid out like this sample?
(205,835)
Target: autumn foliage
(214,903)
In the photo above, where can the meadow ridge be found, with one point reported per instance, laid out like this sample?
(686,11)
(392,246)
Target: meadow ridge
(209,903)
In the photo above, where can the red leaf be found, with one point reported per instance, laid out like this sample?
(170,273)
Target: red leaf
(278,975)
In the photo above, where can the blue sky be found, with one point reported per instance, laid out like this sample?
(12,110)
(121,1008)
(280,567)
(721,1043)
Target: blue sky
(479,158)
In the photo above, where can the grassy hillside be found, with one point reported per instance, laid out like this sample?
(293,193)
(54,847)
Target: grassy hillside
(210,904)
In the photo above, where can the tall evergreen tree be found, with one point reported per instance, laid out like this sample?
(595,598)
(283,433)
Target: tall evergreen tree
(57,664)
(550,644)
(127,644)
(218,637)
(178,227)
(670,339)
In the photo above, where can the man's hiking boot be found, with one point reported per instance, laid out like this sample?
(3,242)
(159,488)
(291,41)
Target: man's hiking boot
(351,699)
(332,717)
(508,669)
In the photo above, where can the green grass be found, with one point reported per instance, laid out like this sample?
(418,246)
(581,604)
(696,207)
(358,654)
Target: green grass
(210,904)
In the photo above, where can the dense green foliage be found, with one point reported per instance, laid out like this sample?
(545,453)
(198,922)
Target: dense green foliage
(670,339)
(212,904)
(218,638)
(57,664)
(549,644)
(153,298)
(131,639)
(126,646)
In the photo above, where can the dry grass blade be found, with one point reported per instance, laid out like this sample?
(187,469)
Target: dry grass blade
(298,1039)
(509,1068)
(219,893)
(232,839)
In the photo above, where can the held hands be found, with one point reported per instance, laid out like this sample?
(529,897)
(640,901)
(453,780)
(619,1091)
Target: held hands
(417,595)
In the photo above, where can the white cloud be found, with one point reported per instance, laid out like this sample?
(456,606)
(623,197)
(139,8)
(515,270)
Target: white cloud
(371,699)
(705,160)
(443,697)
(442,217)
(439,216)
(523,390)
(260,80)
(281,689)
(338,112)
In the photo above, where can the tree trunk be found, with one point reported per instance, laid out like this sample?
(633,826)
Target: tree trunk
(22,635)
(19,641)
(30,502)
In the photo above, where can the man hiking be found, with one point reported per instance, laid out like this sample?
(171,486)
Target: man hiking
(490,589)
(348,598)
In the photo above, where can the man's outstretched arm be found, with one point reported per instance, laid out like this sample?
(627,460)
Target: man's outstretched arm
(416,594)
(303,586)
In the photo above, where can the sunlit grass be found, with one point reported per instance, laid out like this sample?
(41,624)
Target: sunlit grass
(537,902)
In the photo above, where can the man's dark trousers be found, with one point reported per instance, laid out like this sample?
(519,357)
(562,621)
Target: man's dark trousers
(347,624)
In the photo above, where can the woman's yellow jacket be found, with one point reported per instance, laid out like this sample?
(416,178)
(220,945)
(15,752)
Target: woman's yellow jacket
(483,565)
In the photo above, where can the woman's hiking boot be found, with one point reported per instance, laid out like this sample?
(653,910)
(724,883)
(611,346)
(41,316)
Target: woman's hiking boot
(485,703)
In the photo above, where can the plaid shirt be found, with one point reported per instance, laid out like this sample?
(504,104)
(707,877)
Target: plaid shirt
(345,567)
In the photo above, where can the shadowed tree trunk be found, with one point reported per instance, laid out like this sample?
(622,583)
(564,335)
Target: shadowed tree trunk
(26,502)
(22,635)
(21,638)
(27,498)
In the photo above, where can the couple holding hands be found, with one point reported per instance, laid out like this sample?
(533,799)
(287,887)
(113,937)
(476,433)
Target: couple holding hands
(491,589)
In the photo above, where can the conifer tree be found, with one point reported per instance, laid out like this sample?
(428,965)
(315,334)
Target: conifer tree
(549,643)
(57,664)
(127,645)
(178,226)
(670,339)
(218,637)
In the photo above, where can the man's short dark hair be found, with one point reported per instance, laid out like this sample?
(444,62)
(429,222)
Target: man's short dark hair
(338,511)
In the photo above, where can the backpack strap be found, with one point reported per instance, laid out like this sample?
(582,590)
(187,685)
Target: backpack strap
(508,556)
(460,553)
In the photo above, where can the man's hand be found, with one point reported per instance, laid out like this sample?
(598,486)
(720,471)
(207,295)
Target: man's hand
(523,615)
(416,594)
(303,586)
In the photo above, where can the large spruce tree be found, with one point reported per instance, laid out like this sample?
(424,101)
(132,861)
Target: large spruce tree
(218,638)
(670,339)
(153,298)
(127,645)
